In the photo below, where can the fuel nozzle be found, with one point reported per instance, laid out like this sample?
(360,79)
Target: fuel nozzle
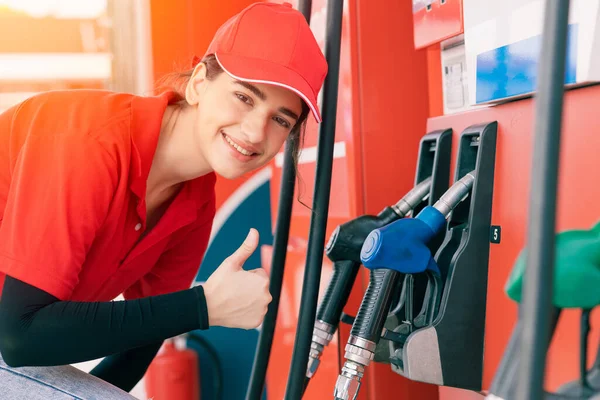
(413,198)
(391,251)
(347,239)
(455,194)
(343,248)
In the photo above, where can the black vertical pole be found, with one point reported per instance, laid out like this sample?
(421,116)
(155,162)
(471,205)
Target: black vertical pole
(318,222)
(539,275)
(305,7)
(280,243)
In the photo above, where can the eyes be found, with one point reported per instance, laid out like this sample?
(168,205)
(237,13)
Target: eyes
(279,120)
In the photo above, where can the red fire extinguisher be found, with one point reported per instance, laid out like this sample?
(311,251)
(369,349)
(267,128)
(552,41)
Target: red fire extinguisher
(173,374)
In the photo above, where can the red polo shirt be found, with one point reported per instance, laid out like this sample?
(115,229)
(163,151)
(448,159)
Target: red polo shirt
(73,171)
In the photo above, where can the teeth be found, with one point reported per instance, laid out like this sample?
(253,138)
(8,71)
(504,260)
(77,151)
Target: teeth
(238,148)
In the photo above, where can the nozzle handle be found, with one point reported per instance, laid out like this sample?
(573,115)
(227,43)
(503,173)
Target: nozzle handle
(375,305)
(337,292)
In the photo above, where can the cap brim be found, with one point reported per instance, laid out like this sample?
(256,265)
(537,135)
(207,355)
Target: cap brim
(259,71)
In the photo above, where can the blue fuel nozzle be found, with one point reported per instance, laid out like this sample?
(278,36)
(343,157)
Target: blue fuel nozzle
(402,245)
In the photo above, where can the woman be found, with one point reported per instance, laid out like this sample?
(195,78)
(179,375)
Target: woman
(103,194)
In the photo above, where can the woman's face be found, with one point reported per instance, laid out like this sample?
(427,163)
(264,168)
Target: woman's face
(239,126)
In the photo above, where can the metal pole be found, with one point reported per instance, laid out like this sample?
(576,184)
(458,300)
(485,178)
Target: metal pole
(318,222)
(539,278)
(280,243)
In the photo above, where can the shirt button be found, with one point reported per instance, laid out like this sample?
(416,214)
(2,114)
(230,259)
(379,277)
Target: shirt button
(138,227)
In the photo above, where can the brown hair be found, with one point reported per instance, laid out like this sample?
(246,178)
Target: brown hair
(177,82)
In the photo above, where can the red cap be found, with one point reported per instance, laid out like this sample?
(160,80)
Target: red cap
(273,44)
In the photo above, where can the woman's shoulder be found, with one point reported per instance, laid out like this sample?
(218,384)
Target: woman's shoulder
(91,121)
(80,108)
(62,112)
(78,115)
(103,117)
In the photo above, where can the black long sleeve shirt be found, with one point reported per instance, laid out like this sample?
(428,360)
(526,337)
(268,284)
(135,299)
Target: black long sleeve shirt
(37,329)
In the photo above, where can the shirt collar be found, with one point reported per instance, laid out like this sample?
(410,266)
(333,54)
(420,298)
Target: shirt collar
(146,120)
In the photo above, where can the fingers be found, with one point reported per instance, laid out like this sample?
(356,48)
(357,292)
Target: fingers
(263,276)
(259,271)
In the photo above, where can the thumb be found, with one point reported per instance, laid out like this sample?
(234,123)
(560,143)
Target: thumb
(239,257)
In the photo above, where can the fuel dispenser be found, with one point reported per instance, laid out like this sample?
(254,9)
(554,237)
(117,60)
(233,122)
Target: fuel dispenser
(446,346)
(577,271)
(345,243)
(456,335)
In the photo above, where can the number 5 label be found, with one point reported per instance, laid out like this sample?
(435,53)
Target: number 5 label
(495,234)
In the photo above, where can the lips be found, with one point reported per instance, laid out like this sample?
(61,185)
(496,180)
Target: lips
(241,153)
(243,148)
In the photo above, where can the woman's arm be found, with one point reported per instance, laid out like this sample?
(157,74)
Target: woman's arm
(37,329)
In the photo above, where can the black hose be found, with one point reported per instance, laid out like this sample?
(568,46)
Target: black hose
(539,275)
(597,361)
(318,222)
(583,348)
(306,382)
(305,7)
(212,352)
(280,243)
(375,305)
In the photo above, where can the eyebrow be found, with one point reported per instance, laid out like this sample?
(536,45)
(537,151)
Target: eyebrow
(261,95)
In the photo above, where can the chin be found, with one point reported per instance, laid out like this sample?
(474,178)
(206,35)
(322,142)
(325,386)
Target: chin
(227,172)
(229,175)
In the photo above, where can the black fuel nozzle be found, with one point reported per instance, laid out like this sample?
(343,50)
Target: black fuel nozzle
(391,251)
(343,248)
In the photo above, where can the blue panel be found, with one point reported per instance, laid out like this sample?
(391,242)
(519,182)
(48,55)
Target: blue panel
(512,70)
(235,347)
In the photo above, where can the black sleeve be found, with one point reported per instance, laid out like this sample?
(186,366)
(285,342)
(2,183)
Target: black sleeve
(124,370)
(37,329)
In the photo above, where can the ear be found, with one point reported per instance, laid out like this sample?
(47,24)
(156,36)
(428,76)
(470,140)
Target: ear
(195,84)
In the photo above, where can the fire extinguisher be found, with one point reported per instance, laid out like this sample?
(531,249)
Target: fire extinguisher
(174,372)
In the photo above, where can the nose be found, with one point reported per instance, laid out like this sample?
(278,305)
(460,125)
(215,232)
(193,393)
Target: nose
(254,127)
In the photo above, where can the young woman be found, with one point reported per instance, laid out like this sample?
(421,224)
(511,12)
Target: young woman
(104,193)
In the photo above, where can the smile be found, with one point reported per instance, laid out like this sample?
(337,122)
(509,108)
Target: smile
(237,147)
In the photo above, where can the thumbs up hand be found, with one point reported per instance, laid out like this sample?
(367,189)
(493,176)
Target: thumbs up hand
(237,298)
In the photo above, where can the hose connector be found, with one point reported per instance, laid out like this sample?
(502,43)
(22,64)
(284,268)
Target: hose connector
(413,198)
(348,382)
(457,192)
(360,350)
(322,335)
(359,354)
